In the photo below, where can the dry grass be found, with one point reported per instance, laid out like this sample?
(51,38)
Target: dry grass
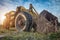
(12,34)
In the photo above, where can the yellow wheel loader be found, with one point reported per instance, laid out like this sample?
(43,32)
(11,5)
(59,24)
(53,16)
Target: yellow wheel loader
(23,19)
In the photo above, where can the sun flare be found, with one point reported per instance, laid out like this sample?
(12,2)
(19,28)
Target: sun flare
(2,18)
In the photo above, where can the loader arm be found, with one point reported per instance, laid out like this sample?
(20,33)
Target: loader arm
(33,11)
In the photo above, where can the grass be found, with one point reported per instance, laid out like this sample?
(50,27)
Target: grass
(23,36)
(12,34)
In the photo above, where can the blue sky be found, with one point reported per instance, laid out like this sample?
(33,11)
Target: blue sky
(52,6)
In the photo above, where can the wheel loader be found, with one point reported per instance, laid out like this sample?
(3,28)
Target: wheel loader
(23,19)
(27,19)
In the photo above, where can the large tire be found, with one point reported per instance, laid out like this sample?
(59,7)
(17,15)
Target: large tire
(23,21)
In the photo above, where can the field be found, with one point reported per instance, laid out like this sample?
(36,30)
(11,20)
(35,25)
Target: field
(12,34)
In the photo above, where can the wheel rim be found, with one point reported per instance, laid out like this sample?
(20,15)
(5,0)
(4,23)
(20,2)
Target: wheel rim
(20,22)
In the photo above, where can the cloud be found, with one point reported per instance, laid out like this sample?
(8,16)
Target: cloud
(52,6)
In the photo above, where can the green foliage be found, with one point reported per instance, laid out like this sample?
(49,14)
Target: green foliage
(54,36)
(14,35)
(23,36)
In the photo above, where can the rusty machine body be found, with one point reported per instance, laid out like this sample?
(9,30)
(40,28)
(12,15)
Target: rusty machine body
(23,19)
